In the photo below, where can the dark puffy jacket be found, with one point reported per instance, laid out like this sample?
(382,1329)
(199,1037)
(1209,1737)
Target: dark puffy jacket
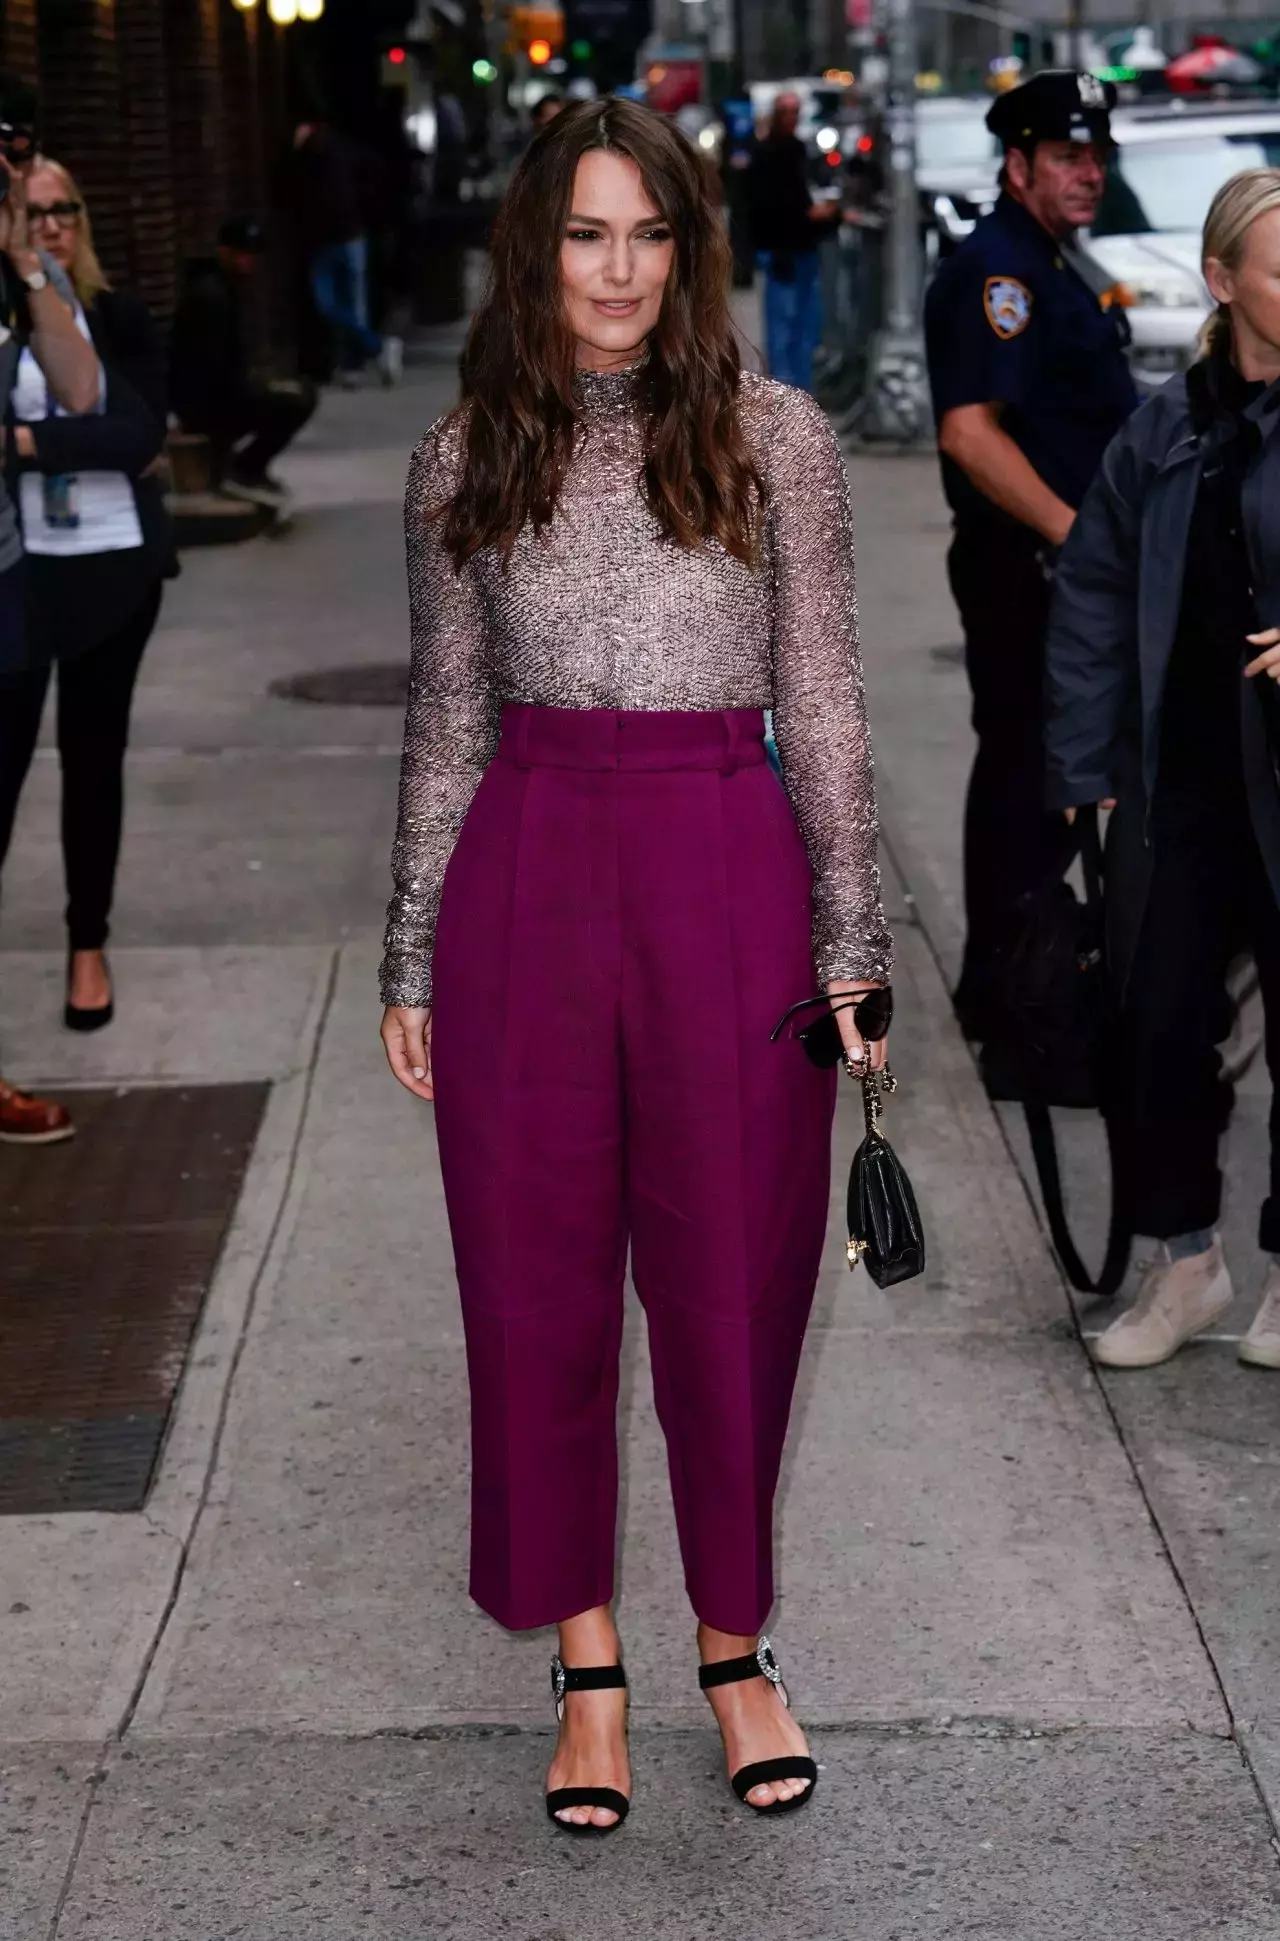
(1117,594)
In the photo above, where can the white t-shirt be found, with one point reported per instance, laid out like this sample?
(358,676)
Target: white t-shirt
(108,511)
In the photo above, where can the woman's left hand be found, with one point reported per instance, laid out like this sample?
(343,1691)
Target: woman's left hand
(1269,662)
(851,1037)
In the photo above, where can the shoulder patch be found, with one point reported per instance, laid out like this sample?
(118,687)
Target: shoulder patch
(1007,304)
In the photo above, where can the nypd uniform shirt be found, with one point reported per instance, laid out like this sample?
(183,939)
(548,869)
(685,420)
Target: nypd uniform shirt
(1009,322)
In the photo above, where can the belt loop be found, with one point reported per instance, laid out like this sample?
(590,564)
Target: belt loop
(729,722)
(522,740)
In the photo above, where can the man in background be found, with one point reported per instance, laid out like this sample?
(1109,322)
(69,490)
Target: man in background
(211,386)
(546,108)
(786,227)
(330,221)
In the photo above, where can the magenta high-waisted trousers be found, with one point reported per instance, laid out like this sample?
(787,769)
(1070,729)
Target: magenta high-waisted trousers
(625,917)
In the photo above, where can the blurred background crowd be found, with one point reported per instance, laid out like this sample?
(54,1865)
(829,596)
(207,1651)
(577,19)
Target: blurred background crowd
(381,132)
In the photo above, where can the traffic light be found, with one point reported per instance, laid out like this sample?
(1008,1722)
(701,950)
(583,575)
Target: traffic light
(1020,47)
(537,32)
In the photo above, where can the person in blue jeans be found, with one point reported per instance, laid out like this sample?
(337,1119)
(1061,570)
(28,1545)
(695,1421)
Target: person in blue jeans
(329,211)
(786,229)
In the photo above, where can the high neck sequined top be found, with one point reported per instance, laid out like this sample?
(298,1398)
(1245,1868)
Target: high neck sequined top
(603,610)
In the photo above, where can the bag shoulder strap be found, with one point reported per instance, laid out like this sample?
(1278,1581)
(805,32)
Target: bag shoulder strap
(1044,1151)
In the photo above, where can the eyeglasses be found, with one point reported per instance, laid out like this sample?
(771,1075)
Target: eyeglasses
(62,213)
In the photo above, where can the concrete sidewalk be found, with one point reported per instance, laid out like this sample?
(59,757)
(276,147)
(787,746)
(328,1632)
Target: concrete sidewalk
(265,1709)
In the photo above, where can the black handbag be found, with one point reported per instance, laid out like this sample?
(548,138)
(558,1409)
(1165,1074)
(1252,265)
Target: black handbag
(885,1232)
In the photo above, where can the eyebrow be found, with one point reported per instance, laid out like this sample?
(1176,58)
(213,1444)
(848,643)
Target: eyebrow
(602,222)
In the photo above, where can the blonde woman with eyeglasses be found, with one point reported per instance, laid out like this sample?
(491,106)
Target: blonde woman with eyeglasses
(97,544)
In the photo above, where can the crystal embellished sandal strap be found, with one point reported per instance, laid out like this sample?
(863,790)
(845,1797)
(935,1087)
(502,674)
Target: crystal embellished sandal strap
(760,1663)
(583,1678)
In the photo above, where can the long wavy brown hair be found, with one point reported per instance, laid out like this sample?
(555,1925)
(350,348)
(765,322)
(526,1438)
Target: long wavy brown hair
(699,478)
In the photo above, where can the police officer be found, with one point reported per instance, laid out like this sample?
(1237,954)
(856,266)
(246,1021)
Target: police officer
(1030,382)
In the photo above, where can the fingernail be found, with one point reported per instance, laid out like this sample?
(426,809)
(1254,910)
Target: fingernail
(419,1071)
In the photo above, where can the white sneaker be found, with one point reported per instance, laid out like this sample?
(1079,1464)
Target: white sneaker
(1177,1299)
(1261,1346)
(391,360)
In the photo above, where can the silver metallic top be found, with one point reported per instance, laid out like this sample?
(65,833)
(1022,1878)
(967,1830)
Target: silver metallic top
(605,611)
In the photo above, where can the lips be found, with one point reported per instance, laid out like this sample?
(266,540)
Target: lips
(622,307)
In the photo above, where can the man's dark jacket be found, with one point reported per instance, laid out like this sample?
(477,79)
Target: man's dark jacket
(778,198)
(1116,600)
(208,362)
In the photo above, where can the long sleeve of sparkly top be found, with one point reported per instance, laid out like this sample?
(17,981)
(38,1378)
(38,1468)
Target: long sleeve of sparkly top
(604,611)
(820,709)
(451,723)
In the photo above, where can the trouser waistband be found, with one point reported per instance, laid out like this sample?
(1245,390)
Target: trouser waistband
(632,739)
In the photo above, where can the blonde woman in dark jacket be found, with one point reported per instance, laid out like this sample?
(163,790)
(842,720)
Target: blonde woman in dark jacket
(98,544)
(1163,659)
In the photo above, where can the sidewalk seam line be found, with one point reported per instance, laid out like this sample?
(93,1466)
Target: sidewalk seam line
(1101,1389)
(96,1778)
(250,1309)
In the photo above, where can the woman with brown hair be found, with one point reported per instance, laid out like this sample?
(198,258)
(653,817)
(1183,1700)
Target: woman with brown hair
(622,549)
(97,542)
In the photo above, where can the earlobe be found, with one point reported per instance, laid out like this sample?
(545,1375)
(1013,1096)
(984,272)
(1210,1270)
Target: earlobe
(1218,280)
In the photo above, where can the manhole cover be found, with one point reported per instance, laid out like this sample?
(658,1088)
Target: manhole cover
(952,655)
(381,684)
(107,1249)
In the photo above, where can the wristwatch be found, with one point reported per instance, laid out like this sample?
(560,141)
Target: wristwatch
(36,280)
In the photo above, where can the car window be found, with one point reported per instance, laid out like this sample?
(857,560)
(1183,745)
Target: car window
(1163,186)
(954,141)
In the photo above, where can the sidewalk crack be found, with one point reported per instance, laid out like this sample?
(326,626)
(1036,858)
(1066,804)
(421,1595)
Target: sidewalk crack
(187,1544)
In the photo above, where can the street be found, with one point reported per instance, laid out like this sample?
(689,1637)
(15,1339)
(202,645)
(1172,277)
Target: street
(1031,1612)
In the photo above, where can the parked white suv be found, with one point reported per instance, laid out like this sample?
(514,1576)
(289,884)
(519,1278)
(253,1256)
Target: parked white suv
(1171,163)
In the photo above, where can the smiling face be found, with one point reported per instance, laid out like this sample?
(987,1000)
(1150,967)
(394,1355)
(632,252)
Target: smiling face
(616,257)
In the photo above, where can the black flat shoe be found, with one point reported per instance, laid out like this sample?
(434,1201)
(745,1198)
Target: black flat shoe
(588,1678)
(78,1017)
(761,1663)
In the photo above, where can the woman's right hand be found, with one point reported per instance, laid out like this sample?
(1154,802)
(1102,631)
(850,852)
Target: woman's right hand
(15,238)
(406,1039)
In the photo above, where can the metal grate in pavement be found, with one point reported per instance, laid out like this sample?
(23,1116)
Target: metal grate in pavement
(108,1245)
(381,684)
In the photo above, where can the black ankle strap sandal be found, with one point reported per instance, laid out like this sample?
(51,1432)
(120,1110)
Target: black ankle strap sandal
(586,1678)
(761,1663)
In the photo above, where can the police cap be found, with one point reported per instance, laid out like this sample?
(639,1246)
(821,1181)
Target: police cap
(1059,105)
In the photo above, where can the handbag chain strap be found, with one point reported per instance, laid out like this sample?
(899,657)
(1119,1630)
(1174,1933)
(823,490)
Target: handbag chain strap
(875,1086)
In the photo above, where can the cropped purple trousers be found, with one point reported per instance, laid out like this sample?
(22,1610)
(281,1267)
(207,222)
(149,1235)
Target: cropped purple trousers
(624,918)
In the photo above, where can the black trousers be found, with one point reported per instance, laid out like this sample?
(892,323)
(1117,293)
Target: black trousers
(1011,842)
(95,694)
(255,429)
(1209,898)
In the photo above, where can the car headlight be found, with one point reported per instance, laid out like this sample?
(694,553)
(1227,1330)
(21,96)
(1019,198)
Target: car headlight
(1159,289)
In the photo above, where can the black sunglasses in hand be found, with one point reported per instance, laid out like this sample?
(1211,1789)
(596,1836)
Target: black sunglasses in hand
(872,1014)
